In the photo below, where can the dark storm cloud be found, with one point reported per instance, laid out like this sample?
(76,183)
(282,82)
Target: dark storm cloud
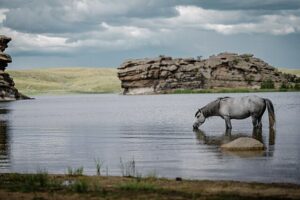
(56,16)
(210,4)
(247,4)
(42,20)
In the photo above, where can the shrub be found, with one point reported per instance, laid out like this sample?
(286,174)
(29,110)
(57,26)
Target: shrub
(35,182)
(297,86)
(284,86)
(75,172)
(99,164)
(236,61)
(128,168)
(79,186)
(267,84)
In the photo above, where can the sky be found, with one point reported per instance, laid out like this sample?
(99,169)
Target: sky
(104,33)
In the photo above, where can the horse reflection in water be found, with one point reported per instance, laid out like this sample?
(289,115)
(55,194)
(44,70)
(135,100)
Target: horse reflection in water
(228,136)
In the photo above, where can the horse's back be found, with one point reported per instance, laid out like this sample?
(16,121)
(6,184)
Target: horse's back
(241,107)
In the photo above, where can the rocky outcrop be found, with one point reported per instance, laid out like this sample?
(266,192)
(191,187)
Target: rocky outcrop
(8,91)
(243,144)
(226,70)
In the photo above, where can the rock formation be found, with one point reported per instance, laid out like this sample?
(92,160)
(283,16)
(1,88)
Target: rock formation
(226,70)
(7,90)
(243,144)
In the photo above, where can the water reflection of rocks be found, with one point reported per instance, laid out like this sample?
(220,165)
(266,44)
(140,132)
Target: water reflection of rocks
(4,140)
(229,136)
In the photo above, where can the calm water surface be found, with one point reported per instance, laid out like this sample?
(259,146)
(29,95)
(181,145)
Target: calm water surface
(54,132)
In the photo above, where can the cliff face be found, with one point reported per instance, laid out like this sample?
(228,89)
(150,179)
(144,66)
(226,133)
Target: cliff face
(7,90)
(227,70)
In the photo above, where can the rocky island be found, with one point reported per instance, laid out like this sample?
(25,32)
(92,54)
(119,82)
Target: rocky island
(225,70)
(8,92)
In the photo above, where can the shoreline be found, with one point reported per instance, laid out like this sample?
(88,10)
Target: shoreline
(224,91)
(45,186)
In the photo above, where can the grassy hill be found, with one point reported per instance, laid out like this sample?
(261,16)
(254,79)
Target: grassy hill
(66,80)
(74,80)
(290,71)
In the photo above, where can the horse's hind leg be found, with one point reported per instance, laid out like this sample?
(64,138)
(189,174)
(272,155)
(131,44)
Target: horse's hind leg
(255,121)
(259,124)
(227,122)
(257,134)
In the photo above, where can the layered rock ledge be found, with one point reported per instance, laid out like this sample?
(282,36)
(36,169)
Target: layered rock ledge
(226,70)
(8,91)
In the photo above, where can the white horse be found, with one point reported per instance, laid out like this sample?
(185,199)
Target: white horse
(236,108)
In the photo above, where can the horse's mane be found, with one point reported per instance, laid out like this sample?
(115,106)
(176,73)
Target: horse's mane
(212,108)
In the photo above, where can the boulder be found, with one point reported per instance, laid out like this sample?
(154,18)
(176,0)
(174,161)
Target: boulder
(227,70)
(243,144)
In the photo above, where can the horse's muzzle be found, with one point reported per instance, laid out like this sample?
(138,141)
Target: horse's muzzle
(195,126)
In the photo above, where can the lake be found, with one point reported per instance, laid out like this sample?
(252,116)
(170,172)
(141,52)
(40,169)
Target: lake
(56,132)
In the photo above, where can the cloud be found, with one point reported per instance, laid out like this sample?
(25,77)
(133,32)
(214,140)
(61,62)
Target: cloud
(3,15)
(96,26)
(274,24)
(37,42)
(105,38)
(235,22)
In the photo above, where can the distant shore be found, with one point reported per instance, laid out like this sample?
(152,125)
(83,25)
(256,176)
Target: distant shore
(44,186)
(230,90)
(72,80)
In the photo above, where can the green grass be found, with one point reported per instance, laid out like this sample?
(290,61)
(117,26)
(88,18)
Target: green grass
(79,186)
(66,80)
(45,186)
(137,186)
(40,181)
(229,90)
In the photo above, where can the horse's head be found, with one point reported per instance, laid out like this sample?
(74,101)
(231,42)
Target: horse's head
(199,119)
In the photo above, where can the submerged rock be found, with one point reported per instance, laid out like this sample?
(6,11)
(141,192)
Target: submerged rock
(226,70)
(8,92)
(243,144)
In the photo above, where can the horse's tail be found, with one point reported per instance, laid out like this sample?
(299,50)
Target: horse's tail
(271,112)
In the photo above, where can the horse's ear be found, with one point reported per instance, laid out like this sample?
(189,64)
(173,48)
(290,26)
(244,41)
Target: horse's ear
(198,111)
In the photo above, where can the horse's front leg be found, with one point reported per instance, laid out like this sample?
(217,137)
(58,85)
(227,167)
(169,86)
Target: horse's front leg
(227,122)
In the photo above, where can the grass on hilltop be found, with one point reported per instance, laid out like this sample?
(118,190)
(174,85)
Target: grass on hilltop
(290,71)
(66,80)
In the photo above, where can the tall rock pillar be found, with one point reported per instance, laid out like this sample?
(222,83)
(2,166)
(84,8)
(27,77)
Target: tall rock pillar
(8,92)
